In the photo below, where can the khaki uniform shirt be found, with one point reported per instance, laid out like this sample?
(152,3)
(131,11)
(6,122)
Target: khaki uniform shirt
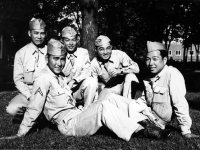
(50,94)
(165,94)
(118,60)
(28,61)
(81,68)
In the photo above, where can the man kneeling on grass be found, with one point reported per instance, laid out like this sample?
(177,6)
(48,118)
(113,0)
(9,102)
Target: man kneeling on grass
(52,96)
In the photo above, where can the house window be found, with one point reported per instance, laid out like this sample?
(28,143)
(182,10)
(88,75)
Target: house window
(170,53)
(178,53)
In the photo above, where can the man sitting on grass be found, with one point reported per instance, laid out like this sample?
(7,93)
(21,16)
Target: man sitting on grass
(114,70)
(165,91)
(52,96)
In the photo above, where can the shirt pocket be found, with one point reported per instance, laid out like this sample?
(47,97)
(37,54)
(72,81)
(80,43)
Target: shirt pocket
(161,104)
(29,74)
(57,92)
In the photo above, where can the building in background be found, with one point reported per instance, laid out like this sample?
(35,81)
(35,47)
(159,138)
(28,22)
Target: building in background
(176,53)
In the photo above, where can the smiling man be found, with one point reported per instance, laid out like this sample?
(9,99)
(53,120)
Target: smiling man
(165,91)
(52,96)
(28,62)
(78,69)
(114,69)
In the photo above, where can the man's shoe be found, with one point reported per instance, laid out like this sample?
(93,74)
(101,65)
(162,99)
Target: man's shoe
(162,134)
(143,133)
(144,123)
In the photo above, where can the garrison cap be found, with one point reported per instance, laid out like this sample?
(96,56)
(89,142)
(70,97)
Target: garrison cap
(68,31)
(55,47)
(36,24)
(154,46)
(102,40)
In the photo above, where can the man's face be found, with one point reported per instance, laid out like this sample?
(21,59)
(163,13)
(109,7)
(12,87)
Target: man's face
(104,52)
(70,42)
(155,63)
(56,63)
(37,36)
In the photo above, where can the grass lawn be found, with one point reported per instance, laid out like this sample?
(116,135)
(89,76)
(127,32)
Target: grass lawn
(50,138)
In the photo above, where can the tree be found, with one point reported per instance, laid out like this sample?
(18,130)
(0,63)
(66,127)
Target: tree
(89,33)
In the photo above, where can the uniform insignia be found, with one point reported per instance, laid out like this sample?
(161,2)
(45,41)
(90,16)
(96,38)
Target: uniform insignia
(39,91)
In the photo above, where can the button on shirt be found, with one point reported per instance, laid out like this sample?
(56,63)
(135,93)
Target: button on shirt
(118,60)
(51,93)
(80,67)
(28,62)
(168,89)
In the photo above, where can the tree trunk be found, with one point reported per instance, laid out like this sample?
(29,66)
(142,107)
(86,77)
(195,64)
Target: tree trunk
(89,33)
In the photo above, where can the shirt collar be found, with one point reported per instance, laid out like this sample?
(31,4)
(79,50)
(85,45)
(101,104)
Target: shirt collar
(36,49)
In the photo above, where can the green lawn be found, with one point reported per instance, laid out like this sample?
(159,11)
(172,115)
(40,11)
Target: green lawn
(50,138)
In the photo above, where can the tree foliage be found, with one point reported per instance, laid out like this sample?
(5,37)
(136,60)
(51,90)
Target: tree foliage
(128,23)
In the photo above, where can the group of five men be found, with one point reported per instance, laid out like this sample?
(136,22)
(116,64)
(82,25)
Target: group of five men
(80,96)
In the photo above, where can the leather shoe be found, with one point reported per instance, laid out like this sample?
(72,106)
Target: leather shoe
(144,123)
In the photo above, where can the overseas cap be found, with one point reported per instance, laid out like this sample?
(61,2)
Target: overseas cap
(102,40)
(68,31)
(153,46)
(36,24)
(55,47)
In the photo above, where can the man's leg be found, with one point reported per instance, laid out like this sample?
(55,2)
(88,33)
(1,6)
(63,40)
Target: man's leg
(86,91)
(16,104)
(130,81)
(128,106)
(98,114)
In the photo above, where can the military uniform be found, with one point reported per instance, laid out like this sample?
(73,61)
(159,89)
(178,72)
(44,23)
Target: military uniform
(165,95)
(121,60)
(78,68)
(52,95)
(28,62)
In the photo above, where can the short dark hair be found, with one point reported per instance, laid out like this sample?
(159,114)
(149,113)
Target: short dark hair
(163,53)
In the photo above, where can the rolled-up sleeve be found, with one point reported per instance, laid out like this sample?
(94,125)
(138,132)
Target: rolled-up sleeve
(181,108)
(128,65)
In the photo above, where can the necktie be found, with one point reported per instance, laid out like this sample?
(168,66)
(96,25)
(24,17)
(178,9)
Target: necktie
(71,58)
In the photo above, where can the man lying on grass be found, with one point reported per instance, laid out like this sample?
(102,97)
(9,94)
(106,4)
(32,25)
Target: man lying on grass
(52,96)
(165,91)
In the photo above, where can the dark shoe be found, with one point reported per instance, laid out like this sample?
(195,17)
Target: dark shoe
(160,134)
(144,123)
(143,133)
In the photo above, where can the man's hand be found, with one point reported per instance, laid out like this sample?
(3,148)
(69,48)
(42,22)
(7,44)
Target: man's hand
(71,83)
(21,111)
(114,72)
(190,135)
(105,77)
(10,137)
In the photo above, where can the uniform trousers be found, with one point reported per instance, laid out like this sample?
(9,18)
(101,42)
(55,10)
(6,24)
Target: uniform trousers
(108,111)
(16,103)
(124,88)
(86,91)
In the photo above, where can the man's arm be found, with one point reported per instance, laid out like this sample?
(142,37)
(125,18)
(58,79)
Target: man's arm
(34,108)
(18,76)
(128,65)
(181,108)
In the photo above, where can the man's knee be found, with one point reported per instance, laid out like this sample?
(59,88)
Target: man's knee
(16,103)
(91,82)
(12,109)
(131,77)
